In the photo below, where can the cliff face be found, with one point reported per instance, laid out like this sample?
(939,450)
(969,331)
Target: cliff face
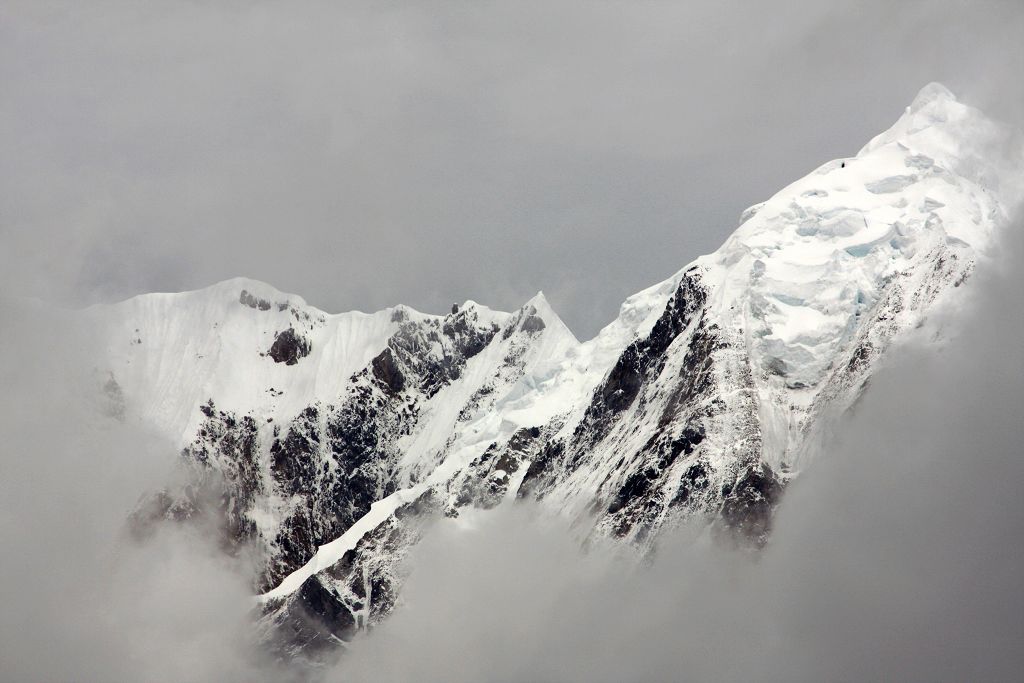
(335,437)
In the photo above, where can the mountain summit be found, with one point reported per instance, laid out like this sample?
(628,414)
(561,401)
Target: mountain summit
(335,436)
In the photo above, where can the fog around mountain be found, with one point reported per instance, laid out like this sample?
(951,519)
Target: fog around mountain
(380,155)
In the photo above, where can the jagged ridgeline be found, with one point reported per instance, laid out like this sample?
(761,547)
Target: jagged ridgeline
(332,440)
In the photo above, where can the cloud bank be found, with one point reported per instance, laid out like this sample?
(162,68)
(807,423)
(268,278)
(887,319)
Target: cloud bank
(82,601)
(896,556)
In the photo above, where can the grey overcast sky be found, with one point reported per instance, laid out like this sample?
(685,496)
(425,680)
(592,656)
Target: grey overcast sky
(366,154)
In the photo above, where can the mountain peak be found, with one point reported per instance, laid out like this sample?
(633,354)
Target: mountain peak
(955,135)
(932,95)
(539,301)
(543,309)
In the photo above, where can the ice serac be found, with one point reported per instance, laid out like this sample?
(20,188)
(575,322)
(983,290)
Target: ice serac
(335,437)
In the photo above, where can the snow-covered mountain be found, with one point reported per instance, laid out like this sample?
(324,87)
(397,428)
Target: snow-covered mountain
(334,435)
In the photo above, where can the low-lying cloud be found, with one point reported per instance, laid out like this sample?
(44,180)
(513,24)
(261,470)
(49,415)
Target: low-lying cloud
(82,600)
(897,555)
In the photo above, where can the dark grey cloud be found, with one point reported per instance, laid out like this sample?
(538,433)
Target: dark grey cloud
(897,555)
(363,154)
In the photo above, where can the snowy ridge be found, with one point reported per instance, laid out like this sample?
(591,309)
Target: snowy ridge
(210,344)
(336,433)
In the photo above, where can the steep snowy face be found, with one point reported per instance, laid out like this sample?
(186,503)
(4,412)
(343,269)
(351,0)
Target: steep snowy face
(249,347)
(809,261)
(801,276)
(335,435)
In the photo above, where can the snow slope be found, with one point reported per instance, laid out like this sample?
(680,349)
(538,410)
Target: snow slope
(171,352)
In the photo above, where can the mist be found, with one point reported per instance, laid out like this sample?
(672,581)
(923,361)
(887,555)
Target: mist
(367,154)
(83,600)
(363,155)
(896,556)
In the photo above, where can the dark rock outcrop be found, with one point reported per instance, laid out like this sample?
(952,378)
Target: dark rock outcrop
(248,299)
(749,503)
(642,360)
(289,347)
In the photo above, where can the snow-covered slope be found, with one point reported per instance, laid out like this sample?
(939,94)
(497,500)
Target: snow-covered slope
(334,434)
(175,351)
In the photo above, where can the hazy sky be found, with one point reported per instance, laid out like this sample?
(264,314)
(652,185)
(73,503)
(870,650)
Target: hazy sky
(365,154)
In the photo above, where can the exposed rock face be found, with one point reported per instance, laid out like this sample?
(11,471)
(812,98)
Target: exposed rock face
(248,299)
(708,393)
(226,480)
(642,361)
(289,347)
(358,590)
(748,504)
